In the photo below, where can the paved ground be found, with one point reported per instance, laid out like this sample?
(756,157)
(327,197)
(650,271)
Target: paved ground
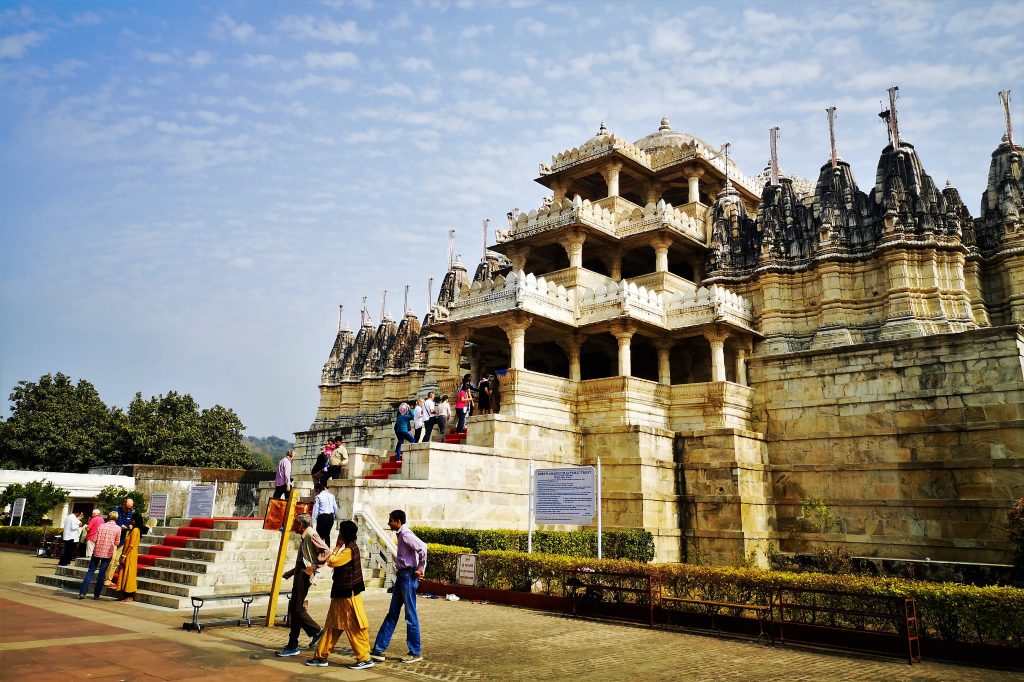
(50,635)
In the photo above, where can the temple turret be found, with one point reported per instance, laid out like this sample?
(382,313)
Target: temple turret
(735,240)
(1002,203)
(783,222)
(343,344)
(841,212)
(352,368)
(905,196)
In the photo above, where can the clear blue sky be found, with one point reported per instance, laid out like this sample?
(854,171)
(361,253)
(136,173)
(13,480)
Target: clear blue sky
(189,189)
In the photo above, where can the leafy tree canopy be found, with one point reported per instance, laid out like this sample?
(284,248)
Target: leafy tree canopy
(40,498)
(112,496)
(56,425)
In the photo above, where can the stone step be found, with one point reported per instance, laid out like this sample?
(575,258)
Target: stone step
(220,524)
(143,596)
(170,582)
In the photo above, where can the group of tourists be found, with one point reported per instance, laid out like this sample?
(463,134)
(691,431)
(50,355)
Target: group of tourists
(416,425)
(113,549)
(346,613)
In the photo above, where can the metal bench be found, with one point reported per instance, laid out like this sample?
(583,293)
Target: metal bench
(198,603)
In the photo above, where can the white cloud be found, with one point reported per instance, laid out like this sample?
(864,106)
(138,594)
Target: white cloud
(217,119)
(331,60)
(415,64)
(17,44)
(88,18)
(670,37)
(532,26)
(69,67)
(396,90)
(475,75)
(327,30)
(259,60)
(427,35)
(338,85)
(471,32)
(200,58)
(153,57)
(225,27)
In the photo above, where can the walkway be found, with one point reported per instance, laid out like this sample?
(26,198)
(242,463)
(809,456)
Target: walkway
(50,635)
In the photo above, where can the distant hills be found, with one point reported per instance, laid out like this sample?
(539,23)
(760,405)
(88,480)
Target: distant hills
(271,448)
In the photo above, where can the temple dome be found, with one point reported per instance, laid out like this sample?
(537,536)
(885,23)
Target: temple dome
(666,137)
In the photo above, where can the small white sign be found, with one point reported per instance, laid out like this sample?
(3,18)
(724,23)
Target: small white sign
(565,496)
(200,501)
(466,569)
(18,510)
(158,506)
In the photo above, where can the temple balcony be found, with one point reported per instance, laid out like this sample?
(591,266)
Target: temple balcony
(614,300)
(620,400)
(574,278)
(660,217)
(707,305)
(518,291)
(558,215)
(667,283)
(598,147)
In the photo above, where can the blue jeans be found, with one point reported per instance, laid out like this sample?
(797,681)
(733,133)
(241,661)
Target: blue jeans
(403,594)
(95,563)
(402,435)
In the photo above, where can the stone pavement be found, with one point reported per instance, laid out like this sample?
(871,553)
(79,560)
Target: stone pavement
(50,635)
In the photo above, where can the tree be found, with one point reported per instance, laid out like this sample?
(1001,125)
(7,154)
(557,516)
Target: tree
(172,430)
(110,497)
(40,498)
(56,425)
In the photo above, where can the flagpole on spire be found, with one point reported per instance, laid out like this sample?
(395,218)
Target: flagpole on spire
(362,314)
(832,133)
(405,303)
(451,237)
(341,314)
(1004,99)
(483,258)
(383,302)
(430,294)
(774,135)
(892,120)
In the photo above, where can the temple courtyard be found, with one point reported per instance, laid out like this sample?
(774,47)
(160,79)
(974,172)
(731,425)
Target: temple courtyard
(47,634)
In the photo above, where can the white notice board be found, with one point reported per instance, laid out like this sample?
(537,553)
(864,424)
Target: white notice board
(565,496)
(200,501)
(466,569)
(158,506)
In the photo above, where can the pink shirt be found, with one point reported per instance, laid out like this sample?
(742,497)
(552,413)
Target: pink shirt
(93,528)
(106,540)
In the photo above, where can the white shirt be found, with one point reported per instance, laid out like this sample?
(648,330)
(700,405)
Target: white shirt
(418,416)
(444,410)
(428,408)
(72,527)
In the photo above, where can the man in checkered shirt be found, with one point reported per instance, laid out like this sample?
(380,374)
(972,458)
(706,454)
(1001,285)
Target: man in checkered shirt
(107,539)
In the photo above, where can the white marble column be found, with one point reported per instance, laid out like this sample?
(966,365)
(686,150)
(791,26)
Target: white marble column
(611,176)
(515,330)
(664,368)
(694,180)
(660,245)
(572,242)
(717,341)
(623,333)
(572,346)
(456,342)
(741,366)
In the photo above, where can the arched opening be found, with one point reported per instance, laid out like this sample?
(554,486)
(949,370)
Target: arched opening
(599,358)
(545,259)
(690,361)
(596,265)
(679,264)
(592,188)
(638,261)
(548,358)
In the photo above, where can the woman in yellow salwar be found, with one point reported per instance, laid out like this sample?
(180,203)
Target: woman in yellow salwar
(127,570)
(346,612)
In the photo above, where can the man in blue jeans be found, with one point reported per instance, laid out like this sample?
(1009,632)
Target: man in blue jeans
(411,562)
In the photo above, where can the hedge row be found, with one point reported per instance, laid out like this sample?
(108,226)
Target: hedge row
(631,544)
(947,611)
(29,536)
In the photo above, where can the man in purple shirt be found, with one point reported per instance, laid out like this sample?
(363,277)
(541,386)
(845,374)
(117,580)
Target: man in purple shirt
(410,562)
(283,480)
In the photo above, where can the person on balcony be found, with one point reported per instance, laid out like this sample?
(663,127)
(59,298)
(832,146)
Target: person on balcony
(463,404)
(443,415)
(430,410)
(419,417)
(403,425)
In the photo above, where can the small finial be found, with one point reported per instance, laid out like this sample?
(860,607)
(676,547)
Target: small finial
(949,184)
(664,124)
(602,130)
(458,263)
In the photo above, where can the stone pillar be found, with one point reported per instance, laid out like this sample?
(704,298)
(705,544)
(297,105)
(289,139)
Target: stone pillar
(741,366)
(456,342)
(653,192)
(623,332)
(661,245)
(572,344)
(558,191)
(474,362)
(614,264)
(572,242)
(664,368)
(515,330)
(694,180)
(517,254)
(611,176)
(717,341)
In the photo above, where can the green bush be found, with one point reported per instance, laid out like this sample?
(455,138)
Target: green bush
(1015,532)
(634,545)
(40,498)
(947,611)
(442,560)
(111,497)
(28,536)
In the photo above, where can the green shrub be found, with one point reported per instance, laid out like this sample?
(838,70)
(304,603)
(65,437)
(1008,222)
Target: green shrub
(111,497)
(634,545)
(40,498)
(28,536)
(442,561)
(947,611)
(1015,532)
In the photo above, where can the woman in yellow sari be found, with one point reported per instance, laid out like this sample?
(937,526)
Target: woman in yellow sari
(127,571)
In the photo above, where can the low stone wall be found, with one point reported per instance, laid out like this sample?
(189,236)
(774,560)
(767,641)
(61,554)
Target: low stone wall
(237,489)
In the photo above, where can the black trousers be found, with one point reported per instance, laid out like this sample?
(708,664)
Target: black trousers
(281,491)
(298,618)
(69,554)
(324,526)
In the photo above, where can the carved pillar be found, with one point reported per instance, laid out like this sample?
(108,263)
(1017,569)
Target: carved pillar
(515,330)
(623,332)
(572,242)
(456,342)
(613,261)
(517,254)
(474,362)
(717,341)
(653,192)
(694,180)
(611,176)
(558,190)
(572,344)
(661,245)
(741,366)
(664,368)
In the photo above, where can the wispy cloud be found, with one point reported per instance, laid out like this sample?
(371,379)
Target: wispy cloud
(331,60)
(16,45)
(308,27)
(224,28)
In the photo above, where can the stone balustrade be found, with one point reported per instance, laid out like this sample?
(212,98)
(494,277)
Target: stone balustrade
(601,145)
(706,305)
(518,291)
(559,214)
(656,217)
(609,301)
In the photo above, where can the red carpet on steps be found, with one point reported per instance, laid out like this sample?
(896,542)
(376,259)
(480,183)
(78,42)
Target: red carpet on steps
(185,533)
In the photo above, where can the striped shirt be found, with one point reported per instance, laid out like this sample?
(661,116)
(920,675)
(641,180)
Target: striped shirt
(107,539)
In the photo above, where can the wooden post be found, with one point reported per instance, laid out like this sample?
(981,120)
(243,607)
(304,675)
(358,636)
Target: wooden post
(282,553)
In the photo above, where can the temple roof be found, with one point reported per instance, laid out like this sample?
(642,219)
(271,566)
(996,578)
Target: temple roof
(666,137)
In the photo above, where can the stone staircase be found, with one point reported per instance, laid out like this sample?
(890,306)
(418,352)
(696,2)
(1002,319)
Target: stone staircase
(392,467)
(196,557)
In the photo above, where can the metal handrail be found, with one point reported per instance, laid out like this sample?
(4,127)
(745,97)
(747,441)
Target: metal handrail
(382,548)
